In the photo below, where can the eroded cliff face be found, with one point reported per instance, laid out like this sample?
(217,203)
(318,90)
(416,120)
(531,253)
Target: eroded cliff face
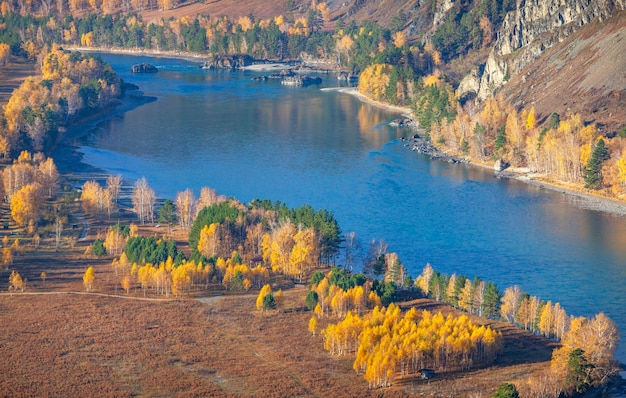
(533,27)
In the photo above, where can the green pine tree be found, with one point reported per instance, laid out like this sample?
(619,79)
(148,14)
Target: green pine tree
(506,390)
(269,303)
(578,376)
(593,171)
(167,213)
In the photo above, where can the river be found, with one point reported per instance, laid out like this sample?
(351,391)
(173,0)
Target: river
(250,139)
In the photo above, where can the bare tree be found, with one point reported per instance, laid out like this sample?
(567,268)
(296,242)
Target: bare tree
(58,231)
(375,254)
(208,197)
(114,184)
(185,208)
(49,176)
(144,199)
(352,249)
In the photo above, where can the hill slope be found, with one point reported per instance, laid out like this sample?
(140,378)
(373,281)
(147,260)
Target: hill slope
(584,74)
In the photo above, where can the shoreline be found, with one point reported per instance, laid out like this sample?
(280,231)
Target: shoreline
(363,98)
(191,57)
(591,201)
(581,199)
(66,153)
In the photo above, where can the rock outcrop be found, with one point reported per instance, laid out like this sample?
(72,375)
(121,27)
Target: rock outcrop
(469,86)
(143,68)
(301,81)
(236,61)
(533,27)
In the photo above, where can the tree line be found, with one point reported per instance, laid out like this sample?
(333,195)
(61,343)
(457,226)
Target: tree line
(596,338)
(564,148)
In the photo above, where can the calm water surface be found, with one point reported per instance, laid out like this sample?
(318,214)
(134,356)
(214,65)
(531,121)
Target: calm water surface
(251,140)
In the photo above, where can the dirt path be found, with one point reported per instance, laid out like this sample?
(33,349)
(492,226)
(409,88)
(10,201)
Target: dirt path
(91,294)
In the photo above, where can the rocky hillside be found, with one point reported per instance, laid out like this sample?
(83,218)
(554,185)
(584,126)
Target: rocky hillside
(535,26)
(585,74)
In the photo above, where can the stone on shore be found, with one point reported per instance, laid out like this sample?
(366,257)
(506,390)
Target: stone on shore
(500,165)
(232,62)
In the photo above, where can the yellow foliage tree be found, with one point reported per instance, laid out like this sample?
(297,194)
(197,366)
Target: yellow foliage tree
(7,257)
(313,325)
(87,39)
(16,282)
(303,255)
(324,10)
(621,168)
(386,342)
(5,53)
(209,240)
(114,241)
(510,302)
(373,81)
(25,204)
(531,119)
(245,23)
(422,282)
(181,280)
(126,283)
(399,39)
(277,246)
(265,290)
(89,278)
(343,46)
(597,338)
(5,7)
(94,198)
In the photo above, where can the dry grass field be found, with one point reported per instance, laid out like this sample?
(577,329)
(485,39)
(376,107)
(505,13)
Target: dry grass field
(12,75)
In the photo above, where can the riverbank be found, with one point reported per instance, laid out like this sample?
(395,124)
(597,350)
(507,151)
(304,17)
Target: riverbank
(586,200)
(363,98)
(66,153)
(185,56)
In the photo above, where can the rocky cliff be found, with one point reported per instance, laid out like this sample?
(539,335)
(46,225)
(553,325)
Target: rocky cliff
(532,28)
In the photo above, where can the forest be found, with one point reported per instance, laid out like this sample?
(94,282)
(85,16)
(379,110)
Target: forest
(242,247)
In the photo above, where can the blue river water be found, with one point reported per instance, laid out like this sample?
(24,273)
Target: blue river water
(250,139)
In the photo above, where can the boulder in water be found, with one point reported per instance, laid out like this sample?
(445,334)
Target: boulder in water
(144,68)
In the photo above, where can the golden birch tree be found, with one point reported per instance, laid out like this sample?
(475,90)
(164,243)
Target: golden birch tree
(89,278)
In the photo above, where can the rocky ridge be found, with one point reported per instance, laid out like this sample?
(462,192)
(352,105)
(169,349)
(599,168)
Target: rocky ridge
(531,29)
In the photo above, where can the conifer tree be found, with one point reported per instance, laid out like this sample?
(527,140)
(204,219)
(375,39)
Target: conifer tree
(593,170)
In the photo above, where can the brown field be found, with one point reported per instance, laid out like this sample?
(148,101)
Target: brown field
(58,340)
(12,75)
